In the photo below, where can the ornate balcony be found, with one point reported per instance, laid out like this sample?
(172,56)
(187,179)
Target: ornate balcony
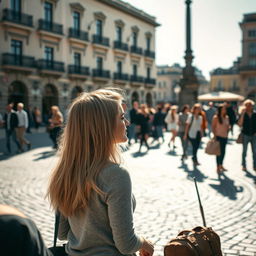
(18,62)
(96,39)
(136,50)
(51,27)
(136,80)
(78,71)
(149,54)
(50,67)
(78,34)
(121,77)
(150,82)
(17,18)
(121,46)
(101,74)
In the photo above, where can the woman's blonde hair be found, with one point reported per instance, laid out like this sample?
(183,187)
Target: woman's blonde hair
(87,145)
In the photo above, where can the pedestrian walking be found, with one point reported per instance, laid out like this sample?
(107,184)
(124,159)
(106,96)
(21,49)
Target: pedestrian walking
(172,120)
(183,117)
(220,128)
(158,123)
(247,122)
(194,131)
(55,126)
(10,121)
(22,126)
(132,133)
(210,112)
(30,119)
(37,117)
(143,122)
(204,121)
(232,116)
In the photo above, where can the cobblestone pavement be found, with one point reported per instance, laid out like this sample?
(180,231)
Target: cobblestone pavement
(164,189)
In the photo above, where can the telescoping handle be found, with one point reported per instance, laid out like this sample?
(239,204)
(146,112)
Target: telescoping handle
(200,205)
(56,229)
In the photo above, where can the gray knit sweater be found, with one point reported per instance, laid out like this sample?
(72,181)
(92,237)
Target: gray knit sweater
(105,228)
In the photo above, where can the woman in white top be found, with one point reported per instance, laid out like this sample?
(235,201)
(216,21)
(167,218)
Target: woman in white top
(172,120)
(194,131)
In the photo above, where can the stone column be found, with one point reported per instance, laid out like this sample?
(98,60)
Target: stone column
(189,83)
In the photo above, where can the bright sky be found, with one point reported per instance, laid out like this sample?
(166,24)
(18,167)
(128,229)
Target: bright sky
(216,35)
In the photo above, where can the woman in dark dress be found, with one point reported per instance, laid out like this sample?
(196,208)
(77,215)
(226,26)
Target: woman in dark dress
(143,122)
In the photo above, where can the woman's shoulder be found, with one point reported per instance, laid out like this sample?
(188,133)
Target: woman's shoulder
(114,176)
(113,170)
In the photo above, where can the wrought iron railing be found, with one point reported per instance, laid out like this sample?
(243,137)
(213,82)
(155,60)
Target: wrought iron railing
(50,26)
(18,60)
(44,64)
(96,39)
(17,17)
(78,34)
(79,70)
(121,46)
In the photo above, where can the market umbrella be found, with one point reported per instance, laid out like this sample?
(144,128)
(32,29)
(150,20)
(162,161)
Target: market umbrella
(220,96)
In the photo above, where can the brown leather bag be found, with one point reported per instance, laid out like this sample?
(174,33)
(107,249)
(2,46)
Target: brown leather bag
(200,241)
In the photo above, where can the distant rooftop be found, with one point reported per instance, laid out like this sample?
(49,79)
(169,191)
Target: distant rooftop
(222,71)
(250,17)
(128,8)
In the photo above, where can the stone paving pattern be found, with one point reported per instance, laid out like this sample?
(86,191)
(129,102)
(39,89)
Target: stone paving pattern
(164,189)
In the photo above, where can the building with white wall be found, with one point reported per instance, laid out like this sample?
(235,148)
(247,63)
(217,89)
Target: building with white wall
(52,50)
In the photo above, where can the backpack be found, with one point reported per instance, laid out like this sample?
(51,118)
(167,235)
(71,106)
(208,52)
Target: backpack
(200,241)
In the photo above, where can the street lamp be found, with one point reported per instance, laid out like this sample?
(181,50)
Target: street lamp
(177,90)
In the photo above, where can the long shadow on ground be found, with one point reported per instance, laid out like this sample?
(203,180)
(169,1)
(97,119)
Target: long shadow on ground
(226,187)
(37,140)
(191,174)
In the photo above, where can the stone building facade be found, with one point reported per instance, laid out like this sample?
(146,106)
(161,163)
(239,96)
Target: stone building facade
(241,77)
(168,83)
(53,50)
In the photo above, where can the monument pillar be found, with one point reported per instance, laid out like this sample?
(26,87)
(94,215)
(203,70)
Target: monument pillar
(189,83)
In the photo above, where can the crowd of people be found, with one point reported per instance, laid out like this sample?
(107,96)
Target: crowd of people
(191,124)
(18,123)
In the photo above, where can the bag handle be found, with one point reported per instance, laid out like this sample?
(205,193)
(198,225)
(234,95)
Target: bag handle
(56,228)
(200,205)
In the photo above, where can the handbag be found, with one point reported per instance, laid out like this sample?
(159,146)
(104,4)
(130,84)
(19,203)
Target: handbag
(240,138)
(213,147)
(57,250)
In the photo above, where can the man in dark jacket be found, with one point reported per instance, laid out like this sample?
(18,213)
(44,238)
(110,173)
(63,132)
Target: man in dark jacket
(133,122)
(10,123)
(247,122)
(232,116)
(158,123)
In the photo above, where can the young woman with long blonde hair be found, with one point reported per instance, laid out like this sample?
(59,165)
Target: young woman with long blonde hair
(89,188)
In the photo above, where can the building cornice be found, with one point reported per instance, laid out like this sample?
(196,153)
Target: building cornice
(77,7)
(129,9)
(119,23)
